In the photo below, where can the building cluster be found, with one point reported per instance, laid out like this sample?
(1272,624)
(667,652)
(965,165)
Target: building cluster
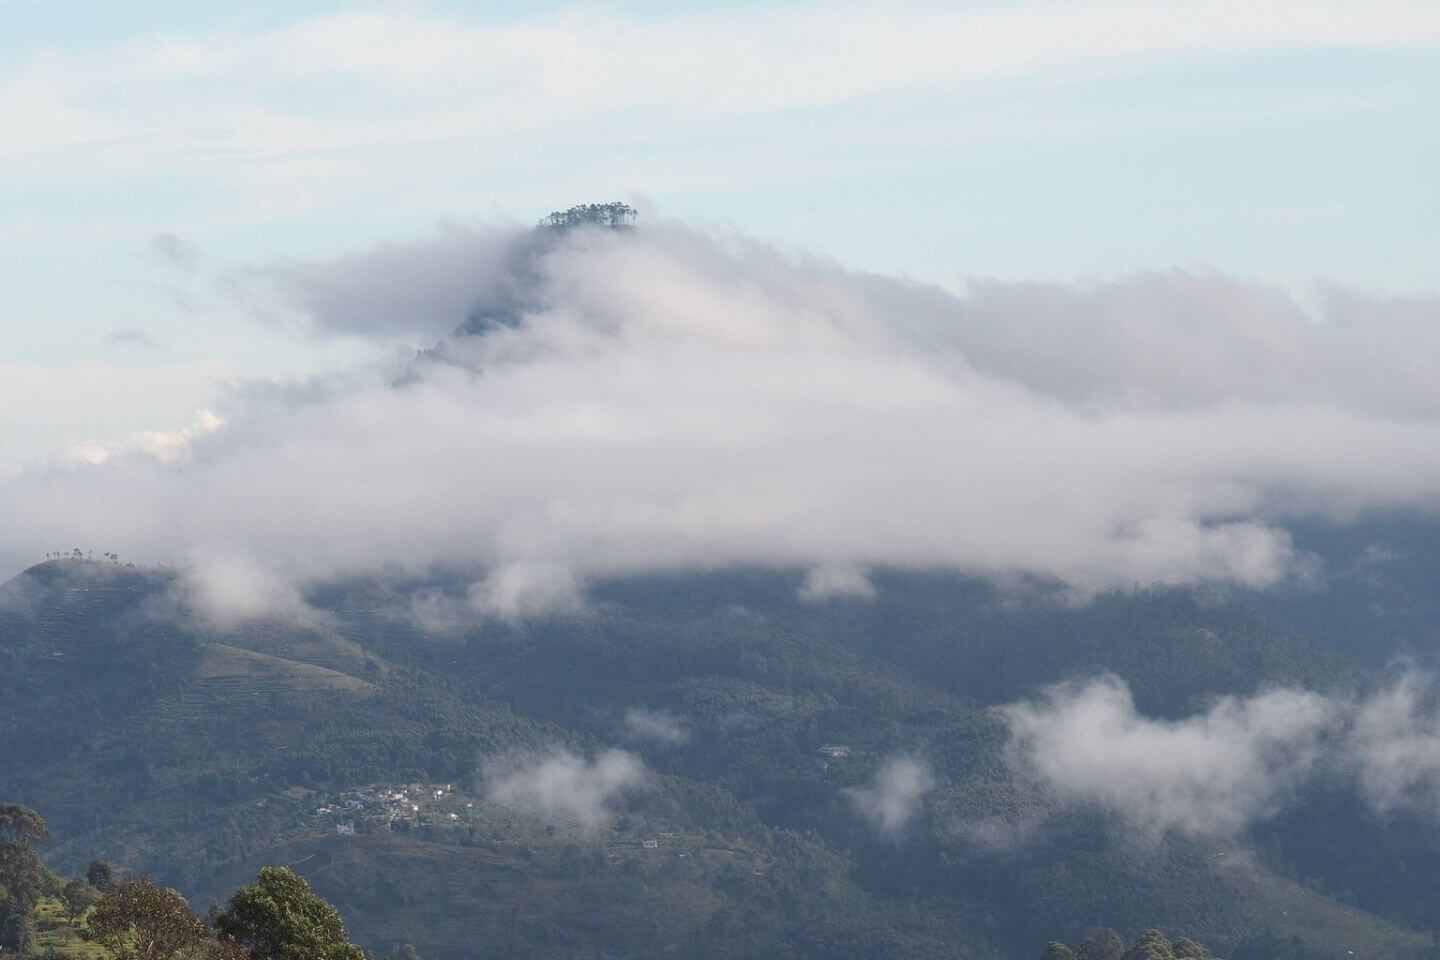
(383,806)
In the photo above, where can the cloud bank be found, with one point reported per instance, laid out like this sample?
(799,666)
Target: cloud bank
(565,786)
(1216,772)
(670,398)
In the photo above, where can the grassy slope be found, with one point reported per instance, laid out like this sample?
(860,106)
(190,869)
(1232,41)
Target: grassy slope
(55,934)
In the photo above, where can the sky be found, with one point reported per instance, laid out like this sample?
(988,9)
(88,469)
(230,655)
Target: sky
(1158,240)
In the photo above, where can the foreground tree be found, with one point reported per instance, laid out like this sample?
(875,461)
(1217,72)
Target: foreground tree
(100,875)
(141,920)
(22,877)
(1102,943)
(79,896)
(1151,945)
(278,917)
(1188,949)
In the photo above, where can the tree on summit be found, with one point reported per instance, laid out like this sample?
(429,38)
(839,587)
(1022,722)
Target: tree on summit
(614,215)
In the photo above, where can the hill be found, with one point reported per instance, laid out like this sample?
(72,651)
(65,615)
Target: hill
(197,753)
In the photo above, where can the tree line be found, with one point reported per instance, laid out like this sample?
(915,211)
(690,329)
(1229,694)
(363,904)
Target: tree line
(1103,943)
(613,214)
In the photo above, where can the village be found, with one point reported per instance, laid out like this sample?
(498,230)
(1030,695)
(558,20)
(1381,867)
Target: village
(394,807)
(436,809)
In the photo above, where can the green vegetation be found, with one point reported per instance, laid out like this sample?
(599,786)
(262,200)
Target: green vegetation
(56,935)
(1103,943)
(200,756)
(278,917)
(612,215)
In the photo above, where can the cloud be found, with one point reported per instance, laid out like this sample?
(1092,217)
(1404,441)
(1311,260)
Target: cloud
(130,337)
(438,612)
(670,399)
(1394,745)
(658,726)
(1212,773)
(425,77)
(892,798)
(527,589)
(175,251)
(228,588)
(833,580)
(562,785)
(167,447)
(413,293)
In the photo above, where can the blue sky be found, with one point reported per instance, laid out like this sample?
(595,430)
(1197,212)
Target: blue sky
(1289,142)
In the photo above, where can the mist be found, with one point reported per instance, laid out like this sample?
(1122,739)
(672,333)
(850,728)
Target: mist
(596,404)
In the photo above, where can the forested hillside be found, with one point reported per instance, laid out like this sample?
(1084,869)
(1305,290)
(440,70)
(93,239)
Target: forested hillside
(732,771)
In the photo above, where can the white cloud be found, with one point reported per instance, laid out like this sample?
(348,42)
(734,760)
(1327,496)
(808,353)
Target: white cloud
(169,447)
(670,399)
(229,588)
(562,785)
(1212,773)
(659,726)
(1394,744)
(408,77)
(828,581)
(892,798)
(526,589)
(1218,771)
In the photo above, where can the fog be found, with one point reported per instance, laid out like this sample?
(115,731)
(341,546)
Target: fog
(670,398)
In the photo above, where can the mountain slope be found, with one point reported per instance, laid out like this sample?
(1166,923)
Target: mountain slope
(201,754)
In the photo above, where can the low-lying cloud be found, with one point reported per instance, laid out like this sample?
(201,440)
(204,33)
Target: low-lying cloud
(1216,772)
(835,580)
(657,726)
(1212,773)
(562,785)
(892,798)
(226,588)
(1394,744)
(668,399)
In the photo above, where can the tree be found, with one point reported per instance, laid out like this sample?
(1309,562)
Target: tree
(141,920)
(1151,945)
(278,917)
(100,875)
(403,951)
(615,215)
(1187,949)
(1055,950)
(79,896)
(21,828)
(1102,943)
(22,877)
